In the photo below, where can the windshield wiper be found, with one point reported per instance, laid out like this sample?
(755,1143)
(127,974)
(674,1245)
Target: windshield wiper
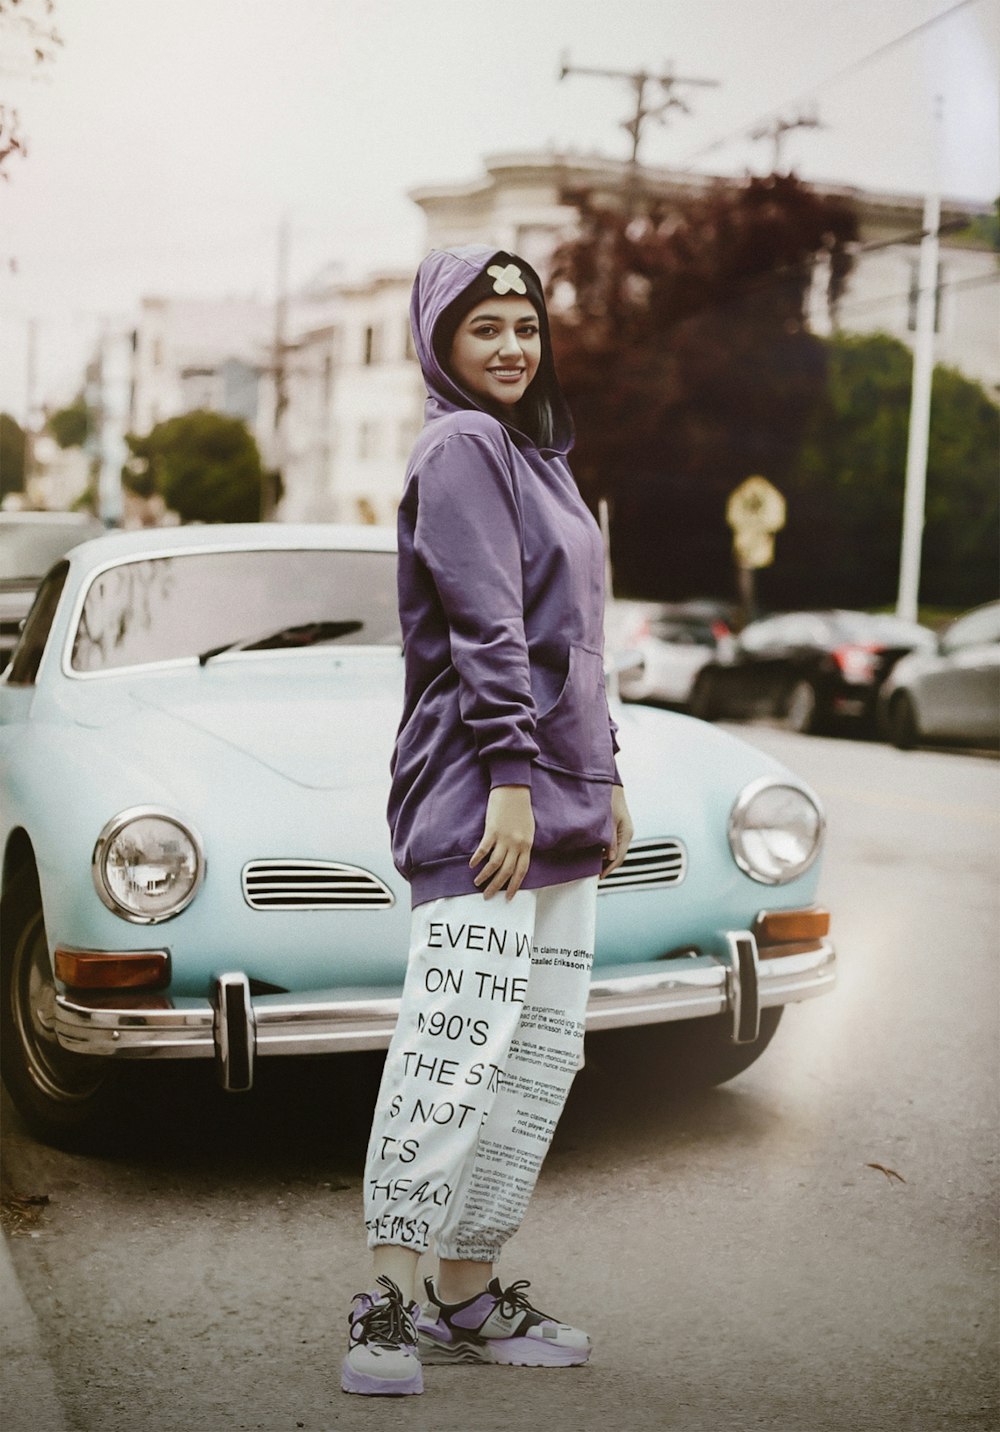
(308,634)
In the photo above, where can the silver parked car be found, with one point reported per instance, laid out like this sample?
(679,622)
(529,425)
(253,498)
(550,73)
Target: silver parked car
(30,542)
(951,693)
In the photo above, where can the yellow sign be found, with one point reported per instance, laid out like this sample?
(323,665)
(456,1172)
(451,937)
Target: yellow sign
(755,511)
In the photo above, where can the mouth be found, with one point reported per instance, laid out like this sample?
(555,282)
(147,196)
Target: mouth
(506,375)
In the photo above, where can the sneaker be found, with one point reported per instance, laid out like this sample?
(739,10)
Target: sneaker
(499,1325)
(382,1356)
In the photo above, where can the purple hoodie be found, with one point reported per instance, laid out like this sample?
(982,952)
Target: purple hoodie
(501,599)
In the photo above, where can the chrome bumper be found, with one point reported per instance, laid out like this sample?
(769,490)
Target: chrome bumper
(234,1029)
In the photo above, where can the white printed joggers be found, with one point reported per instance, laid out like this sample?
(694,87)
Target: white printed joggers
(489,1038)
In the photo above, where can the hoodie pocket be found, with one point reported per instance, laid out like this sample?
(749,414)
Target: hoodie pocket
(573,735)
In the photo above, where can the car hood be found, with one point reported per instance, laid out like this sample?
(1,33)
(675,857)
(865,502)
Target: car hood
(330,727)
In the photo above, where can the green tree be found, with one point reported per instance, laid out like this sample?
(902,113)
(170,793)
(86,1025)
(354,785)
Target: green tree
(206,466)
(12,455)
(842,540)
(683,348)
(71,426)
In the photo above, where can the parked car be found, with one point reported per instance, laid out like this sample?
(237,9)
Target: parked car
(808,668)
(29,543)
(950,692)
(671,642)
(195,733)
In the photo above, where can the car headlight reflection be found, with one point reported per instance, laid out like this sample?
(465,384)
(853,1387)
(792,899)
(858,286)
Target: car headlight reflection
(775,831)
(147,866)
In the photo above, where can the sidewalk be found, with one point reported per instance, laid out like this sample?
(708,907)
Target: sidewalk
(28,1400)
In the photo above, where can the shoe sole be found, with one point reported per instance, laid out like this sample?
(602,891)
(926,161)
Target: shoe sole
(366,1386)
(500,1352)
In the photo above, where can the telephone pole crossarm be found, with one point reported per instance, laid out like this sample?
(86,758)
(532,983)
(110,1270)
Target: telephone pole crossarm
(640,81)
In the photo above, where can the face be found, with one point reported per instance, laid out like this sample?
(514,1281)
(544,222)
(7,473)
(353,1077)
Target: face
(497,348)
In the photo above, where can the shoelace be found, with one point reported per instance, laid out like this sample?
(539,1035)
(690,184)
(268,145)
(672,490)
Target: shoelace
(513,1300)
(388,1323)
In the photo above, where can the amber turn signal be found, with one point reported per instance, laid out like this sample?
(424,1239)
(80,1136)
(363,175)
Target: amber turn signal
(776,927)
(117,969)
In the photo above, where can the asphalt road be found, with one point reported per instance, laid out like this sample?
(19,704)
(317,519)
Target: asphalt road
(737,1259)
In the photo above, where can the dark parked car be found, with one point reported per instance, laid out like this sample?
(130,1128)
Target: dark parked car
(810,669)
(30,542)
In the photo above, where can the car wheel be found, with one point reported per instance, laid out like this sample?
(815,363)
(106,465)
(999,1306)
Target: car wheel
(704,702)
(802,707)
(704,1054)
(64,1098)
(903,729)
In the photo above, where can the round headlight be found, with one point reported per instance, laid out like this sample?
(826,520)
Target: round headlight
(775,831)
(147,866)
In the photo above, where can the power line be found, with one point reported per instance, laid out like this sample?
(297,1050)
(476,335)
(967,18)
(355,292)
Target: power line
(835,78)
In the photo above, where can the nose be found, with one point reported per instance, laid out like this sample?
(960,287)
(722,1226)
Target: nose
(510,344)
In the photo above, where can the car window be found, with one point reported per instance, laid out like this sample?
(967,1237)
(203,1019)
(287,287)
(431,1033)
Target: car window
(168,608)
(37,624)
(974,629)
(882,628)
(29,548)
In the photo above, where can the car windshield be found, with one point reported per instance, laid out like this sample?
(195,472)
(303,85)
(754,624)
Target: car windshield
(29,548)
(171,608)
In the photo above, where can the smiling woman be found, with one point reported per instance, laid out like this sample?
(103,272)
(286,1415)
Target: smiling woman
(496,350)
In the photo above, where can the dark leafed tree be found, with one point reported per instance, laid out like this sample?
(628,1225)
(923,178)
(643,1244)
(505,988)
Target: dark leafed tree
(683,349)
(206,466)
(12,455)
(848,486)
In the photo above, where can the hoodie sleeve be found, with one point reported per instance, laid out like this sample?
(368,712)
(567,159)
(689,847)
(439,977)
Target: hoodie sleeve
(468,534)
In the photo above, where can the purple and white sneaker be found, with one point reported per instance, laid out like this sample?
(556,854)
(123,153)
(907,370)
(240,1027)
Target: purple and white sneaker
(499,1326)
(382,1357)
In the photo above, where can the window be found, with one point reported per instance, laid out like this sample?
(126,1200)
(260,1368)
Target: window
(368,439)
(409,352)
(370,346)
(978,628)
(34,634)
(173,608)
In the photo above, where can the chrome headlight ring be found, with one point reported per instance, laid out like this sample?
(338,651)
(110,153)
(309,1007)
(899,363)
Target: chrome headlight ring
(776,830)
(147,865)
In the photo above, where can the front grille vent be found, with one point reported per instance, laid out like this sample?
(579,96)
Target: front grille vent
(313,885)
(648,865)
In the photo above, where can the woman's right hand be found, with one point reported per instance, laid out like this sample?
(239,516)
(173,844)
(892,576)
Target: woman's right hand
(507,840)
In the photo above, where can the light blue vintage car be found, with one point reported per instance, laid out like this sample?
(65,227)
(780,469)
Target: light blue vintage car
(195,732)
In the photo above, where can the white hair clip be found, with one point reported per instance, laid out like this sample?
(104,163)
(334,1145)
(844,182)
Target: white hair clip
(507,280)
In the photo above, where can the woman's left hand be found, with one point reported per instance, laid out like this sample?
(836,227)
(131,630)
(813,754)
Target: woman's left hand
(624,830)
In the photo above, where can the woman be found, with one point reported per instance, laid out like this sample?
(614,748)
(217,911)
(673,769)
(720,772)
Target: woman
(505,808)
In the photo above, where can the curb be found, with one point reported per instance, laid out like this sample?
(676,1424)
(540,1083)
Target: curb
(28,1398)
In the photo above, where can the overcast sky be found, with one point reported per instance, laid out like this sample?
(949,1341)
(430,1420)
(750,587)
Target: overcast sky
(168,137)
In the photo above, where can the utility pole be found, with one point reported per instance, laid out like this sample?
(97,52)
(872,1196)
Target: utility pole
(30,402)
(655,95)
(279,370)
(920,401)
(778,128)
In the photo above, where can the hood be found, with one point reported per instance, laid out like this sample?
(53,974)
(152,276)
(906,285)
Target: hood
(443,275)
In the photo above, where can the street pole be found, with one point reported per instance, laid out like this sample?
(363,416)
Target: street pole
(920,401)
(278,367)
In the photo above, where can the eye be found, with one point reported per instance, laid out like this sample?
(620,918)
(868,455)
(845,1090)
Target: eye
(527,330)
(485,330)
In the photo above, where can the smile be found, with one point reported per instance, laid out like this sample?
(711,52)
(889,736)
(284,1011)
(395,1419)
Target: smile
(506,375)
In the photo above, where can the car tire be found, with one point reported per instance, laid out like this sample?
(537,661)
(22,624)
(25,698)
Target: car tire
(802,707)
(904,732)
(703,1053)
(704,701)
(686,1056)
(65,1099)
